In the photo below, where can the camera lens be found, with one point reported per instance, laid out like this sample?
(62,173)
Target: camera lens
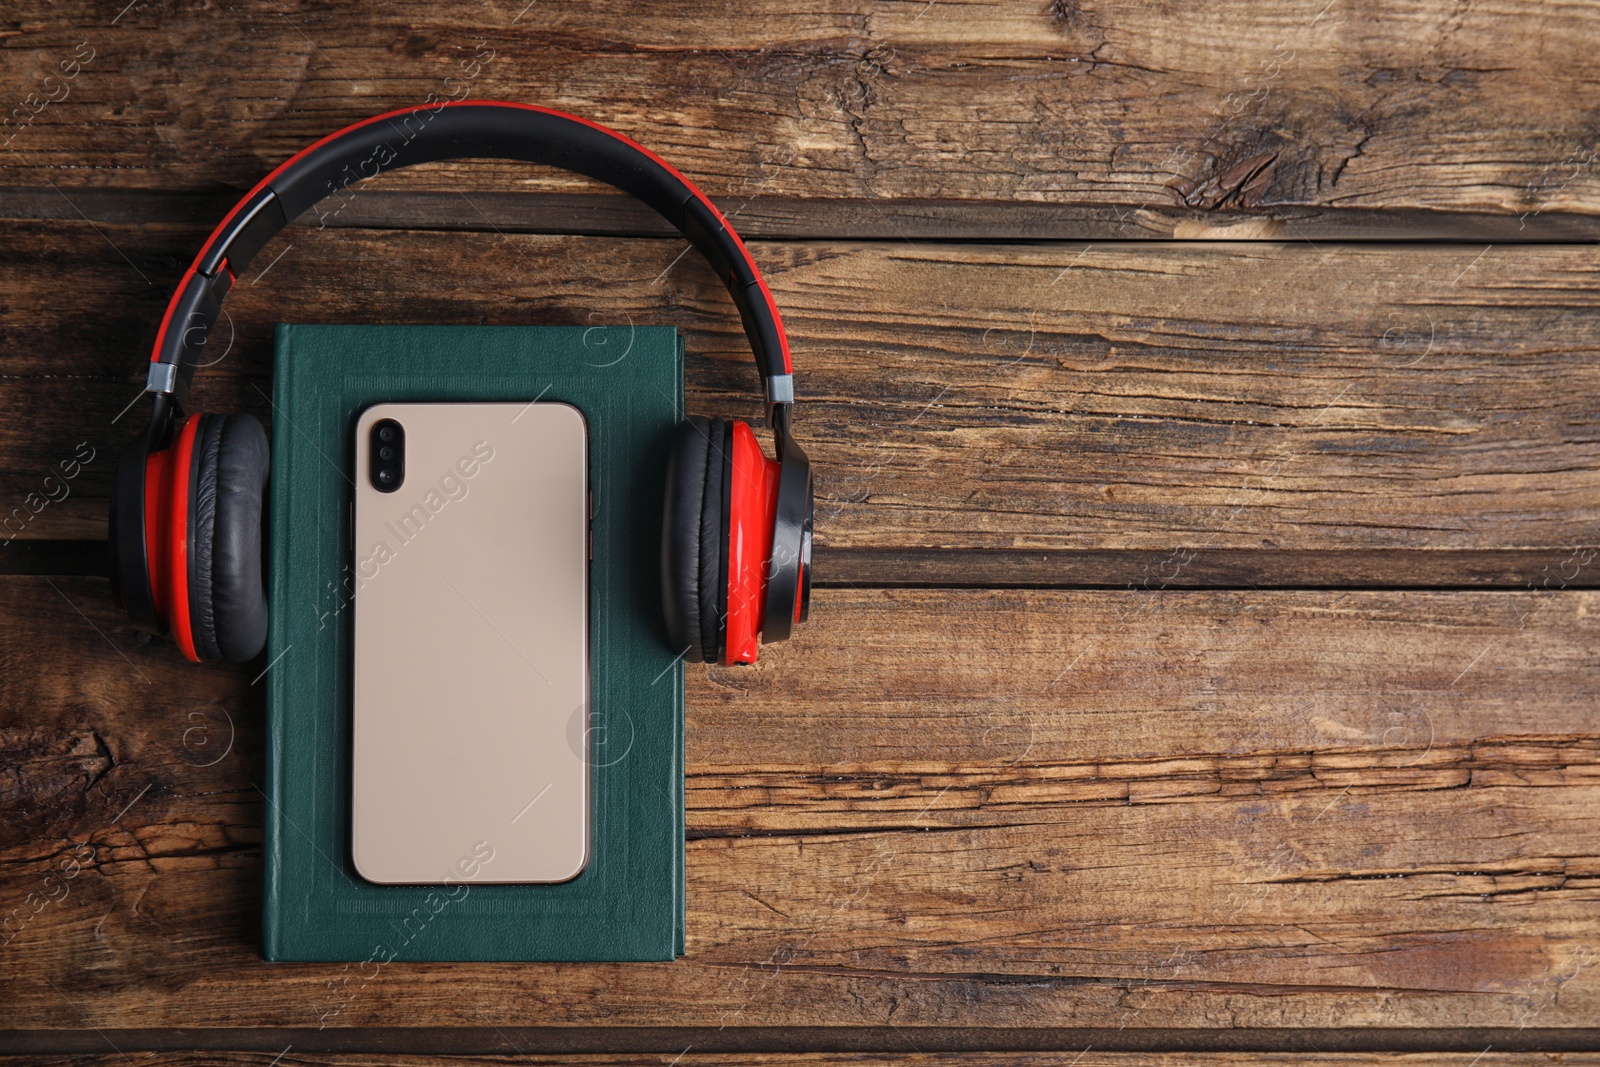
(386,458)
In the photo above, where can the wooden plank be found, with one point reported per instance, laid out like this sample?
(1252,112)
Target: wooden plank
(951,808)
(1132,569)
(1401,406)
(1247,112)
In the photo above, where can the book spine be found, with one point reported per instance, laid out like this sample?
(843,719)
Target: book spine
(272,794)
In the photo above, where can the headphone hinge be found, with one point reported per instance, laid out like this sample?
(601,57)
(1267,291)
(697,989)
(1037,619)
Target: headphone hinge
(166,415)
(779,419)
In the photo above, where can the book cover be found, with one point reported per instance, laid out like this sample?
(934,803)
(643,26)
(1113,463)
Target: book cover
(628,904)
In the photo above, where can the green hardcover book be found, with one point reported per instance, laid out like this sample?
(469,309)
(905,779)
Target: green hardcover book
(628,903)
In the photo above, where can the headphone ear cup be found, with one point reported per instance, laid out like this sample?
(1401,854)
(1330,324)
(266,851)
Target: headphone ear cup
(227,596)
(692,521)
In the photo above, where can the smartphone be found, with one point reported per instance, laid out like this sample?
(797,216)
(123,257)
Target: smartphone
(471,650)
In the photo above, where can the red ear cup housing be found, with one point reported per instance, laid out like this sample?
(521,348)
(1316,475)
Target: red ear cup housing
(168,480)
(752,506)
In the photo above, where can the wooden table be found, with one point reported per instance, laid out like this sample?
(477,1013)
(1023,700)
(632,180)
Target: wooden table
(1203,656)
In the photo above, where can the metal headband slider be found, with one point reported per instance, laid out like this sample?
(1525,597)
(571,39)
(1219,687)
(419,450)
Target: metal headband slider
(163,378)
(780,389)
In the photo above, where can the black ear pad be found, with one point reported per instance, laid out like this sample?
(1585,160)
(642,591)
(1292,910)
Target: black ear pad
(680,536)
(714,543)
(202,535)
(227,596)
(692,540)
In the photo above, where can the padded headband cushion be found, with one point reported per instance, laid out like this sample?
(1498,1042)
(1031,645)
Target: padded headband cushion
(691,539)
(228,602)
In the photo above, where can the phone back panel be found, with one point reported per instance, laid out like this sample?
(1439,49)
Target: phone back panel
(471,643)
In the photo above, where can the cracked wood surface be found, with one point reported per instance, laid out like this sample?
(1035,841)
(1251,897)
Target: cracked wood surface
(1093,809)
(1140,119)
(1216,412)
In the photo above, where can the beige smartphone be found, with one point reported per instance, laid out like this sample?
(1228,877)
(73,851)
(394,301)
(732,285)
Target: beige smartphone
(471,652)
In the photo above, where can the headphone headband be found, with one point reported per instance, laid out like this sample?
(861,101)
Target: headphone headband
(459,130)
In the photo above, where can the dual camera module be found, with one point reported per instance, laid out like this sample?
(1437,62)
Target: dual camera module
(386,455)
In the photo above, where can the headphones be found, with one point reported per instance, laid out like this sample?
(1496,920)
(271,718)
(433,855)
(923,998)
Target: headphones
(186,528)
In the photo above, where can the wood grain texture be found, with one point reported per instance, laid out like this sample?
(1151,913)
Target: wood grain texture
(1173,400)
(1203,660)
(937,809)
(1241,112)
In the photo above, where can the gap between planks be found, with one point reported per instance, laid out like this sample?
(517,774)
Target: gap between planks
(772,219)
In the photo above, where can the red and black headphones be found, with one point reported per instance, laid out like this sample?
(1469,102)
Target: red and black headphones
(187,529)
